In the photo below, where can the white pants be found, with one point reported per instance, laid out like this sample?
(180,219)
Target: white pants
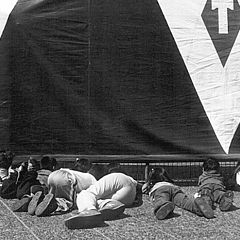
(117,186)
(61,185)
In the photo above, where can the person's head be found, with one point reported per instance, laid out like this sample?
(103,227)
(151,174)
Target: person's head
(114,167)
(158,174)
(97,170)
(82,165)
(33,165)
(46,163)
(211,164)
(6,159)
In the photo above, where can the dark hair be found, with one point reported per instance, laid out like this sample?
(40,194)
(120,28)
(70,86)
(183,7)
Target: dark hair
(46,163)
(6,159)
(54,163)
(35,164)
(97,170)
(114,167)
(82,165)
(158,174)
(211,164)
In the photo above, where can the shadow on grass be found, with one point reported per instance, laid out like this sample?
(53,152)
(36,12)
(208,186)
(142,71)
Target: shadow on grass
(233,208)
(173,215)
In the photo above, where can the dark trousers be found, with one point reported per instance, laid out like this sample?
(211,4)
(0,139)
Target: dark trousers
(215,191)
(173,194)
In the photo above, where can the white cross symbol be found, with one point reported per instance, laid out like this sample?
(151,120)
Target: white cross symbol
(222,7)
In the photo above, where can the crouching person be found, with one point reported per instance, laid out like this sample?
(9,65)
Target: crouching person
(105,200)
(64,185)
(165,195)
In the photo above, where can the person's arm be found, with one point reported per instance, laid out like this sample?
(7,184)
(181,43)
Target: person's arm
(145,188)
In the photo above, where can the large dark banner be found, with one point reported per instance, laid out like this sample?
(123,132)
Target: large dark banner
(119,77)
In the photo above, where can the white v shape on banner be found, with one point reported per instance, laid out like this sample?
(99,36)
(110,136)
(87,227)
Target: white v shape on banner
(217,82)
(6,6)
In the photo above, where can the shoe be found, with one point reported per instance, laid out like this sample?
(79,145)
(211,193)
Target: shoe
(204,208)
(165,210)
(47,206)
(207,195)
(36,199)
(112,210)
(226,201)
(85,219)
(22,205)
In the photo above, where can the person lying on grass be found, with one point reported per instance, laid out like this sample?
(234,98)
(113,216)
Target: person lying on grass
(104,200)
(212,187)
(165,195)
(65,186)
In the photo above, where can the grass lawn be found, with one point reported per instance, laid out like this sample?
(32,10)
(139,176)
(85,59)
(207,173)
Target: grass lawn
(137,223)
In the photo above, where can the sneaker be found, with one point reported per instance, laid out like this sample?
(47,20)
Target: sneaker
(204,207)
(47,206)
(85,219)
(22,205)
(226,201)
(36,199)
(165,210)
(112,210)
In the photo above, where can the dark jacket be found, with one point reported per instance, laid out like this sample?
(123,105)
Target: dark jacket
(211,177)
(29,179)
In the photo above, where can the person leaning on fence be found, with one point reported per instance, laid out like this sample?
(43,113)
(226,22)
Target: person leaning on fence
(165,195)
(212,187)
(106,199)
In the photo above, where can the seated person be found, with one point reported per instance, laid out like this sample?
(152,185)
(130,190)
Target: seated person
(20,180)
(28,179)
(6,160)
(64,184)
(46,168)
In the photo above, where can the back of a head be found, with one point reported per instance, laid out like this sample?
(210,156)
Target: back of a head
(46,163)
(97,170)
(6,159)
(211,164)
(114,167)
(82,165)
(158,174)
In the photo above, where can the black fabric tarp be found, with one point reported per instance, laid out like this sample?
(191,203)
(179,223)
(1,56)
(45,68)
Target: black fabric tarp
(98,77)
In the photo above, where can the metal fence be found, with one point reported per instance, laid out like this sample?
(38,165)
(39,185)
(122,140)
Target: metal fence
(184,169)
